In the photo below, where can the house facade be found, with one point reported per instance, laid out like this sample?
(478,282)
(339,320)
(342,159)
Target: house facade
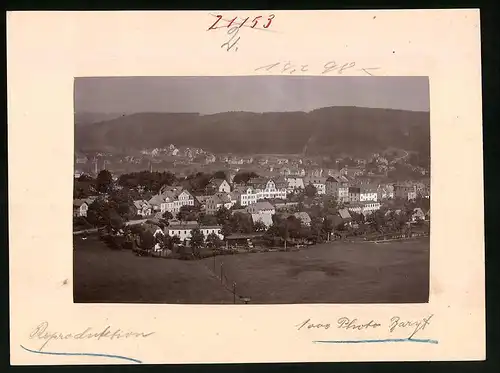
(364,207)
(184,230)
(295,183)
(405,191)
(268,188)
(318,182)
(368,193)
(385,192)
(220,186)
(337,186)
(354,194)
(215,202)
(80,208)
(174,198)
(263,207)
(143,208)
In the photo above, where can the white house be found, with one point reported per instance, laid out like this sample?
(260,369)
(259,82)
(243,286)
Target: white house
(80,207)
(269,188)
(247,195)
(295,183)
(183,230)
(173,198)
(368,193)
(220,185)
(364,207)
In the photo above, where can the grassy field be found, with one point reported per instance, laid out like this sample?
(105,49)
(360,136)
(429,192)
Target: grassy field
(102,275)
(395,272)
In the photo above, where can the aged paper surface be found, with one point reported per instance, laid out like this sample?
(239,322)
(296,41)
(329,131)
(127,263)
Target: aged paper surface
(47,50)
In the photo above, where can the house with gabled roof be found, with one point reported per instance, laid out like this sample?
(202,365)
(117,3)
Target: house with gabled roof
(173,198)
(262,207)
(80,207)
(142,207)
(218,200)
(318,182)
(219,185)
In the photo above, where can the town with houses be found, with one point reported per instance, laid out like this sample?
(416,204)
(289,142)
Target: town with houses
(160,200)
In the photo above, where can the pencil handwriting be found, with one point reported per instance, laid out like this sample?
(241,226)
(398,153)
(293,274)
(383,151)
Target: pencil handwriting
(394,324)
(41,332)
(329,67)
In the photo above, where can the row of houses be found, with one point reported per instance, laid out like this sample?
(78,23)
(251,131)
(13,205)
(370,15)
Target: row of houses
(220,193)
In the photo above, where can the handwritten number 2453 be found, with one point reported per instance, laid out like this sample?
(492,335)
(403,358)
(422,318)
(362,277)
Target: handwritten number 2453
(255,22)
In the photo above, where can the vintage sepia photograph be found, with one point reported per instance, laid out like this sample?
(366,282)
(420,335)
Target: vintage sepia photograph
(251,190)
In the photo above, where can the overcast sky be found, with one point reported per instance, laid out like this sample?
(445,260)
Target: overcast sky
(207,95)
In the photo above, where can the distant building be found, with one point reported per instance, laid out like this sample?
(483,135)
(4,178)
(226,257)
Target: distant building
(364,207)
(405,190)
(295,183)
(80,207)
(219,185)
(304,218)
(215,202)
(263,207)
(385,192)
(174,198)
(318,182)
(268,187)
(142,207)
(368,193)
(337,186)
(183,230)
(266,219)
(354,194)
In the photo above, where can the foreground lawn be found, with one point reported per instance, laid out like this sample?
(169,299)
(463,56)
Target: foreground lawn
(102,275)
(396,272)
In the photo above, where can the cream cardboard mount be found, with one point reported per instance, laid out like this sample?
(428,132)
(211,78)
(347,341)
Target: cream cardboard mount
(47,50)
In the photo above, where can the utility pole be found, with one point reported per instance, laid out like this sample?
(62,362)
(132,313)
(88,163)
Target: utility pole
(234,292)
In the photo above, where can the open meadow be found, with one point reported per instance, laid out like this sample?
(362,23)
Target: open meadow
(393,272)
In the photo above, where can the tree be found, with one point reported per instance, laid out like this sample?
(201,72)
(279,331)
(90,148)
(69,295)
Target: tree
(176,240)
(85,178)
(205,219)
(222,215)
(310,191)
(259,226)
(330,206)
(116,222)
(146,240)
(197,240)
(226,229)
(241,223)
(220,175)
(316,229)
(188,213)
(197,182)
(97,214)
(327,227)
(244,177)
(213,241)
(104,181)
(293,226)
(167,215)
